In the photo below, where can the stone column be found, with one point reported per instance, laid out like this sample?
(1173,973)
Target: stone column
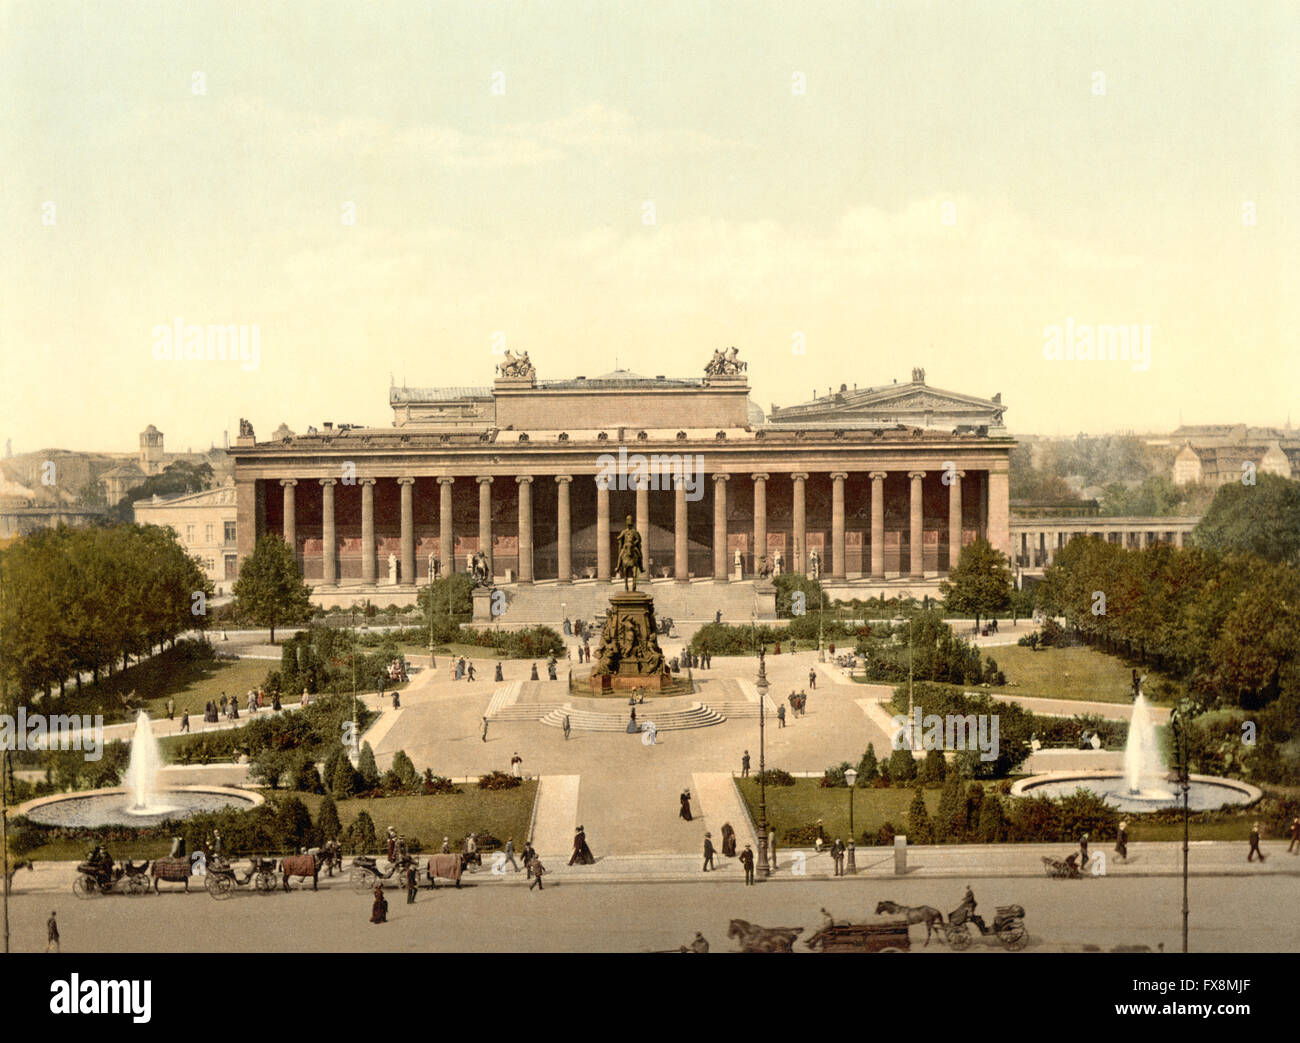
(760,519)
(800,523)
(917,570)
(485,522)
(563,539)
(446,535)
(525,528)
(290,515)
(954,519)
(602,530)
(367,529)
(643,518)
(839,559)
(329,538)
(407,485)
(720,527)
(1000,511)
(681,559)
(878,524)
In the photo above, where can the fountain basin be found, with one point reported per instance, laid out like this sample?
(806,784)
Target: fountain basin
(1207,793)
(115,806)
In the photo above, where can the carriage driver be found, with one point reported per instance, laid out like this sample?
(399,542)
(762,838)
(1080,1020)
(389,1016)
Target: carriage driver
(968,903)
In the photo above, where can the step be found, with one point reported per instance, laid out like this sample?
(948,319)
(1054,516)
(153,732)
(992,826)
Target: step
(698,716)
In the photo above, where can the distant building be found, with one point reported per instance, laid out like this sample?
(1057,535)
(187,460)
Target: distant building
(1219,453)
(205,524)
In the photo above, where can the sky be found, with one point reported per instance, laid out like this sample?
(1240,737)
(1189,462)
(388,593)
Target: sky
(842,190)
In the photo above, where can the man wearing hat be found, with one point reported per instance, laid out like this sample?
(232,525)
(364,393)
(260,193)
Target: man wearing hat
(392,842)
(1254,844)
(747,860)
(708,852)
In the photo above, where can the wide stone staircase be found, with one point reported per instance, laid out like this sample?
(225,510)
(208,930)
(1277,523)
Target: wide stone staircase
(697,715)
(549,602)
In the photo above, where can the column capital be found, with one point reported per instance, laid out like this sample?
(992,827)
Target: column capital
(761,476)
(365,481)
(328,481)
(288,481)
(839,476)
(916,474)
(720,477)
(444,480)
(799,476)
(524,479)
(564,478)
(484,480)
(406,481)
(602,483)
(956,474)
(878,476)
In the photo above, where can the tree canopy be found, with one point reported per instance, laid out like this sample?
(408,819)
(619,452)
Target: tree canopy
(270,591)
(980,584)
(1261,519)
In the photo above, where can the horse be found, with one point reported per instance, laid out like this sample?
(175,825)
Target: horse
(754,938)
(173,870)
(446,867)
(925,914)
(15,866)
(300,865)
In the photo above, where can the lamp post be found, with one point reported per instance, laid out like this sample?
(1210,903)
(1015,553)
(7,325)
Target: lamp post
(851,777)
(1181,756)
(764,869)
(432,664)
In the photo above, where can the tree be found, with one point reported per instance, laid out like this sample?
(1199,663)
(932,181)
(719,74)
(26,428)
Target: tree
(328,826)
(1262,519)
(306,778)
(902,765)
(270,590)
(950,817)
(934,767)
(343,778)
(919,828)
(362,833)
(404,769)
(992,827)
(868,767)
(980,585)
(367,768)
(294,823)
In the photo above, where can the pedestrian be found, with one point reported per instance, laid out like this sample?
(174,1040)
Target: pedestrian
(510,855)
(812,678)
(1254,844)
(717,616)
(379,908)
(534,676)
(1083,850)
(581,852)
(412,883)
(306,698)
(451,666)
(568,627)
(550,668)
(566,726)
(528,856)
(1294,846)
(171,709)
(744,765)
(275,700)
(52,932)
(446,845)
(728,841)
(224,701)
(837,856)
(470,849)
(771,848)
(780,716)
(708,852)
(536,870)
(485,724)
(185,721)
(392,842)
(499,676)
(747,860)
(516,765)
(686,805)
(469,668)
(397,700)
(1121,841)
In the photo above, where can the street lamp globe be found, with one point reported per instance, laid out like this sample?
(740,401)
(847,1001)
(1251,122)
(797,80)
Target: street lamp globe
(851,776)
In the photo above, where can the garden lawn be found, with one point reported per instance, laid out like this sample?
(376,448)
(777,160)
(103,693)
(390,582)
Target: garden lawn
(190,683)
(1077,672)
(502,813)
(802,804)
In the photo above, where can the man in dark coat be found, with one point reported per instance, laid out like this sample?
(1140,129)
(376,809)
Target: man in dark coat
(412,884)
(708,852)
(744,765)
(1254,844)
(747,860)
(837,856)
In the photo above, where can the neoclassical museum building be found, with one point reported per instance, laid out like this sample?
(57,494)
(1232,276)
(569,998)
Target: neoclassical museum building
(874,488)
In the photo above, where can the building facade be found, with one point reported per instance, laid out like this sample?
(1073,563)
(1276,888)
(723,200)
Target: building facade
(205,524)
(871,489)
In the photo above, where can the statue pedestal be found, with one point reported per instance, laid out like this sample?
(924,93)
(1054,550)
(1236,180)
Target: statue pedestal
(765,598)
(482,597)
(630,657)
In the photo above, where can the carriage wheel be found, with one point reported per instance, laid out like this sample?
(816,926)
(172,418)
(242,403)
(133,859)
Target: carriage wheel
(363,880)
(83,887)
(958,936)
(265,882)
(219,885)
(1014,936)
(138,885)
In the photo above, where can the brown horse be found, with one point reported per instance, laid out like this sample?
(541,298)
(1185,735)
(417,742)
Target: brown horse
(15,866)
(754,938)
(301,865)
(926,914)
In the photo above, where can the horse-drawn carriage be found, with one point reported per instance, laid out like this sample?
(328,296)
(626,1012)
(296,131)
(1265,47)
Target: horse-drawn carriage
(98,875)
(221,878)
(1008,927)
(366,875)
(1063,869)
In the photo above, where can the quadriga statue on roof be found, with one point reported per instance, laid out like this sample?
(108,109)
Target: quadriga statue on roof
(725,363)
(515,366)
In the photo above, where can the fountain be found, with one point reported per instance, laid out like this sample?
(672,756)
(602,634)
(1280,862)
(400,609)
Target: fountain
(146,801)
(1143,785)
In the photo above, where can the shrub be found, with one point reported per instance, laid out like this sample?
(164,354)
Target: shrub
(868,768)
(950,816)
(834,777)
(344,780)
(437,784)
(367,768)
(775,777)
(884,835)
(404,769)
(306,778)
(498,780)
(935,766)
(902,766)
(992,822)
(919,828)
(328,826)
(361,836)
(806,835)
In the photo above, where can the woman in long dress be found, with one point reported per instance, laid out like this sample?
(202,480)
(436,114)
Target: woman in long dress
(686,805)
(379,910)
